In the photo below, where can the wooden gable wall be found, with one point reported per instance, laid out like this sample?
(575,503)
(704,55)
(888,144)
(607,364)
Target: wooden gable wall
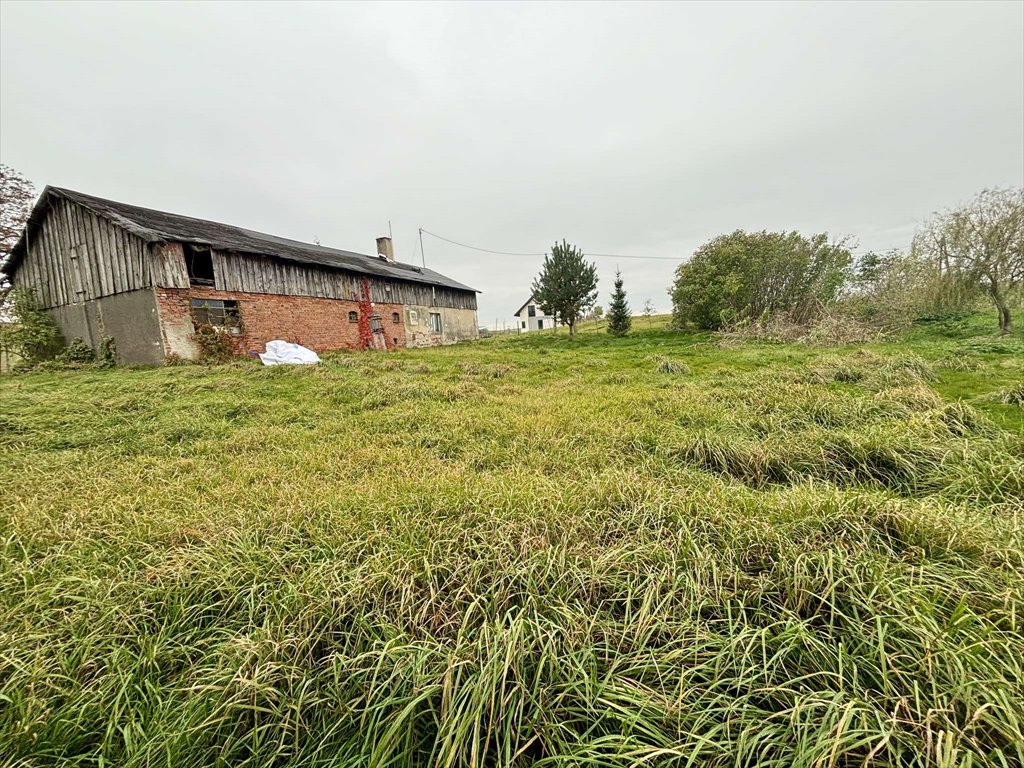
(74,256)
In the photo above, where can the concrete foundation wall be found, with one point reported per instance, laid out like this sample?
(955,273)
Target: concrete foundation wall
(130,318)
(456,325)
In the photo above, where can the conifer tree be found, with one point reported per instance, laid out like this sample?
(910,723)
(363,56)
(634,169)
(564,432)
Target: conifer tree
(619,317)
(567,285)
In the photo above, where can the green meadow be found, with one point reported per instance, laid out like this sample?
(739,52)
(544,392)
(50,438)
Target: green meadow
(529,550)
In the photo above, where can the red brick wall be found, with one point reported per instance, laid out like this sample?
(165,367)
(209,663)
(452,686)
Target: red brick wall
(320,324)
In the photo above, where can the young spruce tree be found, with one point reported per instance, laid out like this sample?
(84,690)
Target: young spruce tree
(619,317)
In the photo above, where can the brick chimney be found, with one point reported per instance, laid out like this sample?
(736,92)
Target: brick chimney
(385,249)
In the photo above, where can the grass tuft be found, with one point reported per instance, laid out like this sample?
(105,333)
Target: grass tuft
(668,365)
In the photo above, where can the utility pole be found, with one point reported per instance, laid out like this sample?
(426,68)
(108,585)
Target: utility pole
(423,256)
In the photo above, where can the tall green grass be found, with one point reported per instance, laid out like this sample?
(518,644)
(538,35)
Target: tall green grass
(527,551)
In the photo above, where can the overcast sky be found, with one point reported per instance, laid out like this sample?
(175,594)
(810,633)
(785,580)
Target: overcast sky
(639,129)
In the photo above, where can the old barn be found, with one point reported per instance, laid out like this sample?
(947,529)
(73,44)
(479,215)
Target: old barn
(148,278)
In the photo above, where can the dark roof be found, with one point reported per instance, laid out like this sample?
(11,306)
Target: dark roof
(158,226)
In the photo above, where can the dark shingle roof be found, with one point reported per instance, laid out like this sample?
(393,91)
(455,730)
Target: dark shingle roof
(159,226)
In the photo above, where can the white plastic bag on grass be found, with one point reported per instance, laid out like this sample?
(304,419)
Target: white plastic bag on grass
(283,353)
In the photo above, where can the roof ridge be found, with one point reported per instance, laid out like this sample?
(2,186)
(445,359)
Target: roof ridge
(304,244)
(154,225)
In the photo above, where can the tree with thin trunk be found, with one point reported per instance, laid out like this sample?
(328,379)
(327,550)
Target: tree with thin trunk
(16,197)
(648,310)
(981,243)
(619,317)
(567,285)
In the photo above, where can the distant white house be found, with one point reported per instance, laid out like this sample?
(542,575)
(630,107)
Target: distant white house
(531,317)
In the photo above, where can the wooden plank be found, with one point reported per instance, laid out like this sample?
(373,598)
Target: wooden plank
(217,257)
(102,258)
(222,271)
(37,261)
(39,253)
(250,275)
(92,285)
(155,265)
(60,243)
(142,253)
(90,252)
(110,257)
(278,277)
(58,240)
(58,260)
(36,276)
(41,245)
(131,266)
(259,264)
(122,274)
(130,275)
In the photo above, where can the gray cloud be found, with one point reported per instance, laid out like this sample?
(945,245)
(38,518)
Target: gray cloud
(627,128)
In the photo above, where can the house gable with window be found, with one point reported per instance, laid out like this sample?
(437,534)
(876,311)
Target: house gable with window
(148,279)
(531,317)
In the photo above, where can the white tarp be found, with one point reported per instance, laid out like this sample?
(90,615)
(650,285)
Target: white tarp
(283,353)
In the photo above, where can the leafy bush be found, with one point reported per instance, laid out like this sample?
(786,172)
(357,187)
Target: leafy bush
(215,344)
(107,355)
(893,290)
(35,336)
(76,352)
(749,275)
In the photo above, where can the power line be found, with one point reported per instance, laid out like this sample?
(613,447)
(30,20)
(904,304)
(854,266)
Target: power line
(600,255)
(509,253)
(624,256)
(474,248)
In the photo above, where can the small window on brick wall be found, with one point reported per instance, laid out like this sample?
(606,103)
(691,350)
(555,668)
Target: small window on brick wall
(435,322)
(353,317)
(216,312)
(395,317)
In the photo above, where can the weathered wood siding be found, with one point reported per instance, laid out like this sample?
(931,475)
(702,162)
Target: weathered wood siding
(75,256)
(263,274)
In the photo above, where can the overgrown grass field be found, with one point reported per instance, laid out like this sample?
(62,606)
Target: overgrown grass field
(526,551)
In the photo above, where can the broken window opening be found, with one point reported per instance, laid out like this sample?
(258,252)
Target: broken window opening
(353,316)
(395,317)
(199,264)
(222,313)
(435,322)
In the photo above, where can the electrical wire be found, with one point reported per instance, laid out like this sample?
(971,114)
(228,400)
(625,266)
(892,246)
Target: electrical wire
(605,255)
(625,256)
(509,253)
(484,250)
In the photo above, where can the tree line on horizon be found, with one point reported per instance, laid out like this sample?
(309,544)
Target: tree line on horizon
(959,258)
